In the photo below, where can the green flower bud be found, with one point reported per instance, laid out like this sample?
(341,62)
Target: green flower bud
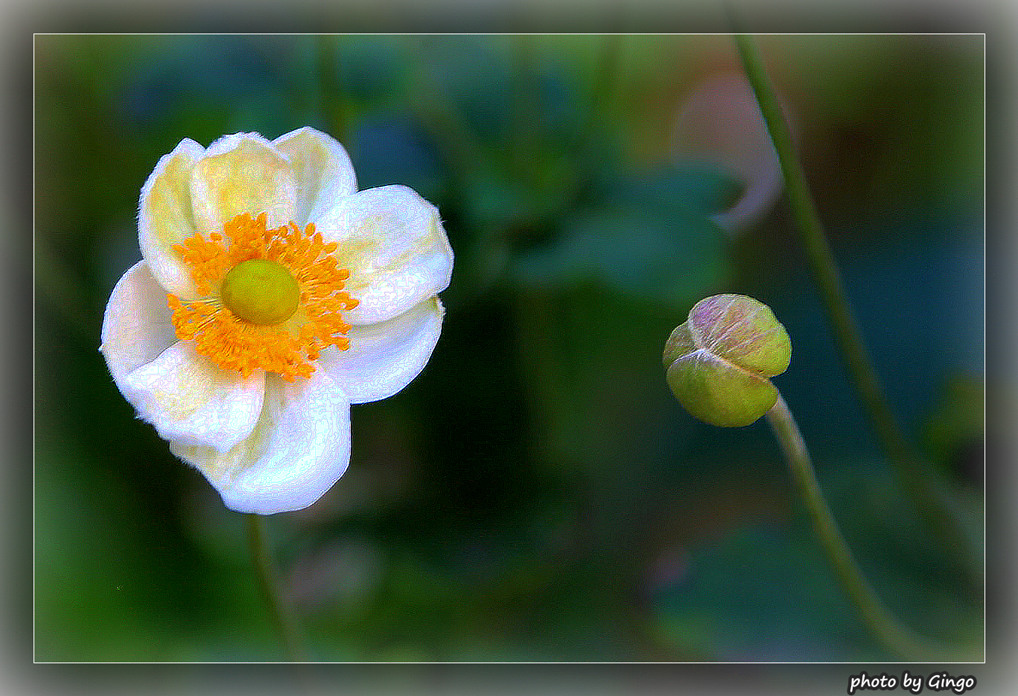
(718,363)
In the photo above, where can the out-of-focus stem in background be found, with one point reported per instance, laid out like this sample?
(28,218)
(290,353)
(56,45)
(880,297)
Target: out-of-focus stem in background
(918,478)
(282,617)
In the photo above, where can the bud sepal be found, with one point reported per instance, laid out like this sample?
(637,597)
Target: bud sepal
(720,361)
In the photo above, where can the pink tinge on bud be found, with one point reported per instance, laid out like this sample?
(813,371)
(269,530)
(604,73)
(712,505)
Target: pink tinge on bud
(718,362)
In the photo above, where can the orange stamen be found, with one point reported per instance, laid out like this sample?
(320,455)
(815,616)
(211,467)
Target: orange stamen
(288,348)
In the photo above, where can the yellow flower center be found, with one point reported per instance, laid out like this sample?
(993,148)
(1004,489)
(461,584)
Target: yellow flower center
(260,291)
(272,299)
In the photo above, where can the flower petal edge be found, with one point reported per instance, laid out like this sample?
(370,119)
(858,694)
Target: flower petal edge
(188,399)
(165,216)
(384,358)
(393,243)
(136,324)
(298,449)
(322,168)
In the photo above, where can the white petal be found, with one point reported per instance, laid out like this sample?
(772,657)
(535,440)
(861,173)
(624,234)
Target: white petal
(393,243)
(383,358)
(242,173)
(165,217)
(188,399)
(297,451)
(136,325)
(322,168)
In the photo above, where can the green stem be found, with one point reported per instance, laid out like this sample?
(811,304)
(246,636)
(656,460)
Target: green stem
(526,121)
(285,622)
(918,479)
(330,105)
(891,633)
(603,90)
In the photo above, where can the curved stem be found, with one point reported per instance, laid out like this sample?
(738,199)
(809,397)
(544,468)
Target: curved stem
(891,633)
(918,479)
(281,616)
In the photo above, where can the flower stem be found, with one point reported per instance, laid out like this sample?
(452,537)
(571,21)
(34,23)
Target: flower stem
(526,121)
(603,91)
(917,477)
(331,106)
(891,633)
(285,622)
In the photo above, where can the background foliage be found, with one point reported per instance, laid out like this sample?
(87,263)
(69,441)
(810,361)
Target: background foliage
(537,493)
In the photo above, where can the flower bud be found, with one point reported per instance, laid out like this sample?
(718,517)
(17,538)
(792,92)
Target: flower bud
(718,363)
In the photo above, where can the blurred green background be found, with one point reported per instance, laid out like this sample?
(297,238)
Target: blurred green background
(537,493)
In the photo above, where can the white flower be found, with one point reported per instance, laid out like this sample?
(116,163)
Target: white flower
(272,295)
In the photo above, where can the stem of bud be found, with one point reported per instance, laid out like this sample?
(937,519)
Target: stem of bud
(885,626)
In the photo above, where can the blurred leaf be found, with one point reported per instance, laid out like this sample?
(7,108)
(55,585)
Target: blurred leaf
(646,236)
(370,67)
(911,568)
(635,251)
(499,211)
(190,71)
(917,289)
(766,593)
(592,368)
(954,431)
(684,188)
(496,202)
(473,74)
(763,594)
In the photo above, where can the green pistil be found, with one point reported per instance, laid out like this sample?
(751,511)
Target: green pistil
(261,292)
